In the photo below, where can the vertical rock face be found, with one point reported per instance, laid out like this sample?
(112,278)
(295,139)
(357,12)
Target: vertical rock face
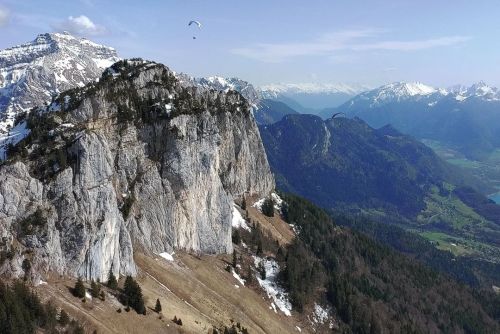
(137,161)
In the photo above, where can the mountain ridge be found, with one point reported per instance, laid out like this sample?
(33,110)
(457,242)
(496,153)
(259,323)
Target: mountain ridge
(31,74)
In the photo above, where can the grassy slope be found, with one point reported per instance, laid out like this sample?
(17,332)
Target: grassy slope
(197,289)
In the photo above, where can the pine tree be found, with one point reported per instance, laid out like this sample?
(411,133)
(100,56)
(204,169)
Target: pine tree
(235,259)
(236,238)
(133,295)
(63,318)
(244,204)
(280,255)
(95,289)
(259,247)
(112,282)
(268,207)
(158,306)
(262,270)
(79,289)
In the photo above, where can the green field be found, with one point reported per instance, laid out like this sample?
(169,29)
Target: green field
(457,246)
(487,170)
(449,210)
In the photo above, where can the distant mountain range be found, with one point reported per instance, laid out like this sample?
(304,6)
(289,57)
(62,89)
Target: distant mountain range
(464,118)
(311,98)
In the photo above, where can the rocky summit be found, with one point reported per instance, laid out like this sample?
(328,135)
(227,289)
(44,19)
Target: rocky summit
(135,161)
(32,73)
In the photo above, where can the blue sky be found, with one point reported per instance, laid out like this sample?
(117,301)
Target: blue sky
(268,41)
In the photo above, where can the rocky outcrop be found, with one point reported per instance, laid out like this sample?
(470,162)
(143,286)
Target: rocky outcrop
(136,161)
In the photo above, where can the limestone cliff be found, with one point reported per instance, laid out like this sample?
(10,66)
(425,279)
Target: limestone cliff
(134,161)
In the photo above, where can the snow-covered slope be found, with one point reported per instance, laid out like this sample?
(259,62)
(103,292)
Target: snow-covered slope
(225,84)
(31,73)
(417,92)
(465,118)
(395,92)
(478,90)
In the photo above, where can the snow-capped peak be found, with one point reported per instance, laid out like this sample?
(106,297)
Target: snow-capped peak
(33,72)
(216,80)
(479,90)
(419,92)
(313,88)
(225,84)
(403,89)
(399,91)
(482,89)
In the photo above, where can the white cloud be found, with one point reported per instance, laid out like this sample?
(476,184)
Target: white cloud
(81,25)
(347,40)
(413,45)
(4,16)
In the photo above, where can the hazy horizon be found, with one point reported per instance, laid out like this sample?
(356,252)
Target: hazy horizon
(267,43)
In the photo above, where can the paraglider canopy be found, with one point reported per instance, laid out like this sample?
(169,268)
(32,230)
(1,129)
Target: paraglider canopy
(337,114)
(195,23)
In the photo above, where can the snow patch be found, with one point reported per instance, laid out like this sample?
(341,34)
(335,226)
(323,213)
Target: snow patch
(278,203)
(40,282)
(295,229)
(14,136)
(238,221)
(320,314)
(273,307)
(238,277)
(167,256)
(270,285)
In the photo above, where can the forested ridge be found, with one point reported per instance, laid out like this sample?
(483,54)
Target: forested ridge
(373,288)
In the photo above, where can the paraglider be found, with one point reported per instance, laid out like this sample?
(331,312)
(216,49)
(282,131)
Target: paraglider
(337,114)
(196,23)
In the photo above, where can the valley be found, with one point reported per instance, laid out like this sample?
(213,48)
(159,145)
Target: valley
(487,169)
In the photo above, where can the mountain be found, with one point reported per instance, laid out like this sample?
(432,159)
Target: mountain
(246,89)
(266,111)
(374,289)
(135,160)
(345,165)
(32,73)
(466,119)
(311,97)
(271,111)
